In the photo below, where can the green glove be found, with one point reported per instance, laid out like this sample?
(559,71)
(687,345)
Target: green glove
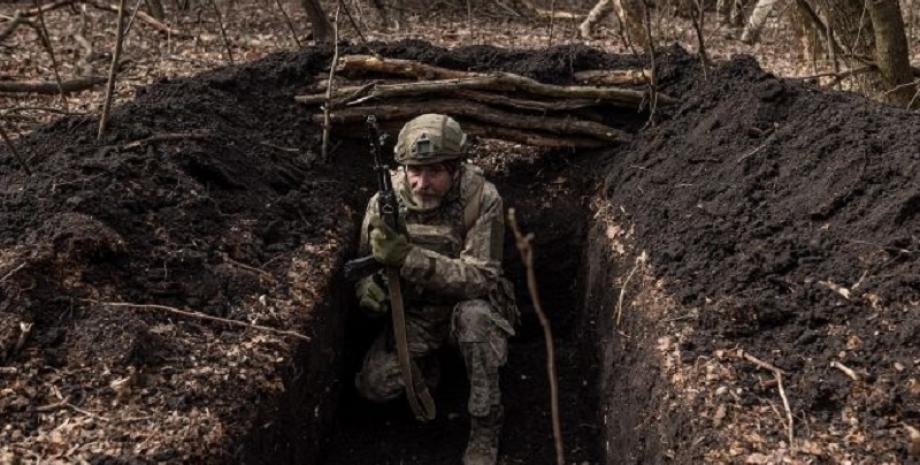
(388,246)
(371,296)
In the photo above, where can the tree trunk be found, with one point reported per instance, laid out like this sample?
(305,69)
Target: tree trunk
(322,28)
(891,52)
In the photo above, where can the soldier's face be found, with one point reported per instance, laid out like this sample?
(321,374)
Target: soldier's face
(429,184)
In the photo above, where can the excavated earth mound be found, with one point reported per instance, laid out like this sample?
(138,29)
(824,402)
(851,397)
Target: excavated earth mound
(782,220)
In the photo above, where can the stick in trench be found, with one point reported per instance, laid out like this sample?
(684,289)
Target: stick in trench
(526,251)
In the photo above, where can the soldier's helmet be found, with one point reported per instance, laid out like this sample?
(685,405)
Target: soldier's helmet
(428,139)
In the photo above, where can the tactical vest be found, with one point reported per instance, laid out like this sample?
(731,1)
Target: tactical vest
(443,229)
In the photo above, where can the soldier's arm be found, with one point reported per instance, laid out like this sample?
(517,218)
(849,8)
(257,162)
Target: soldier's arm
(476,271)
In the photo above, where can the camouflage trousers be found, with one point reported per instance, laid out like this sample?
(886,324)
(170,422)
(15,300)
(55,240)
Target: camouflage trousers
(473,326)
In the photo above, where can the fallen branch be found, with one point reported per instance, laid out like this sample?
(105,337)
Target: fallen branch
(531,138)
(170,136)
(150,20)
(399,67)
(525,104)
(40,87)
(616,96)
(482,114)
(46,8)
(12,25)
(614,77)
(202,316)
(523,245)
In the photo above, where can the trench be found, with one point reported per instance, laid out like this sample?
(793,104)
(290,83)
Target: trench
(551,196)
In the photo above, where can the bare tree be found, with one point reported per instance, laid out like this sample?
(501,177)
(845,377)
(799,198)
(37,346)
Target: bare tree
(891,51)
(322,28)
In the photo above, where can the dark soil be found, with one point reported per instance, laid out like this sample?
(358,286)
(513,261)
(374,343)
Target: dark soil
(756,195)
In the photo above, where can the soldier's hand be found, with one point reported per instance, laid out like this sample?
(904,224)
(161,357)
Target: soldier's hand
(388,246)
(371,296)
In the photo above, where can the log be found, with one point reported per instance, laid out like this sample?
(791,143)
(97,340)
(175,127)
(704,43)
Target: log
(399,67)
(525,104)
(69,86)
(614,77)
(615,96)
(480,113)
(531,138)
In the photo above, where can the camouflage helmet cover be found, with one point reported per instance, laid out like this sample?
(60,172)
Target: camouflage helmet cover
(428,139)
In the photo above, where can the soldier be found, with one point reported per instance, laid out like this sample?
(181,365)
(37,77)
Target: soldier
(450,264)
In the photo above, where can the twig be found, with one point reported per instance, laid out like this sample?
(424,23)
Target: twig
(653,79)
(21,162)
(526,251)
(330,85)
(13,24)
(113,71)
(223,33)
(639,260)
(201,316)
(287,19)
(742,354)
(46,41)
(134,12)
(699,19)
(778,374)
(845,369)
(169,136)
(4,111)
(354,23)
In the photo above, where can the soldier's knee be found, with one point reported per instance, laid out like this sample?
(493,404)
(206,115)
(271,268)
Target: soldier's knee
(473,321)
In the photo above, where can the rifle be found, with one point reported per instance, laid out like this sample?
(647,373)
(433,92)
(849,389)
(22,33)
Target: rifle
(420,400)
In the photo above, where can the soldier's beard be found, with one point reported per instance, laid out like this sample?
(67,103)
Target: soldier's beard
(427,200)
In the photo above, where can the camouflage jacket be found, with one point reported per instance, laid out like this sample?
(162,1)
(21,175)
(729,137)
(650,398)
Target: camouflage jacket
(459,245)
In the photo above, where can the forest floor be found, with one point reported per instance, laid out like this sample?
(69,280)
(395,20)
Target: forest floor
(760,213)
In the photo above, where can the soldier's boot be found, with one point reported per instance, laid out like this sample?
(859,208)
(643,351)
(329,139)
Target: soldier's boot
(482,448)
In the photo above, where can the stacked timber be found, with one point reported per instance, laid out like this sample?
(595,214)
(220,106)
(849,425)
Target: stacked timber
(496,105)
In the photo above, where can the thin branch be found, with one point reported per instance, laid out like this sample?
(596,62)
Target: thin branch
(12,25)
(653,79)
(639,260)
(24,166)
(526,250)
(845,369)
(70,85)
(354,23)
(201,316)
(113,71)
(46,41)
(327,106)
(778,375)
(287,19)
(223,33)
